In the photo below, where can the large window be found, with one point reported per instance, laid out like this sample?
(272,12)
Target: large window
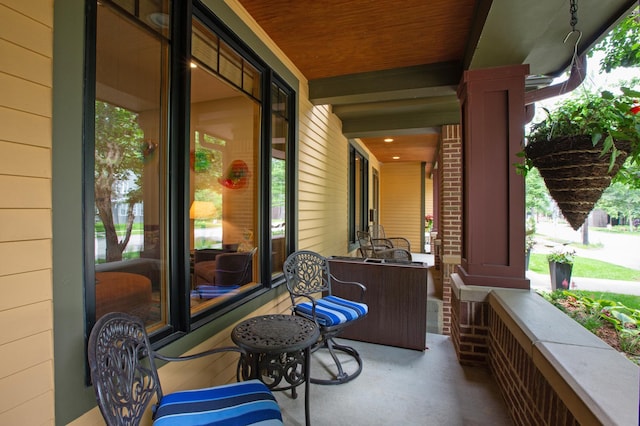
(358,194)
(225,133)
(178,176)
(280,130)
(130,146)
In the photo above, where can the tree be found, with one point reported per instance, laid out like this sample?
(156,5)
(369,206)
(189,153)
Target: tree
(538,200)
(621,49)
(620,199)
(118,158)
(622,46)
(207,164)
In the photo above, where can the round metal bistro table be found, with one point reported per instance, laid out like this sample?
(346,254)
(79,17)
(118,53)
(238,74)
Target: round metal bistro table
(277,351)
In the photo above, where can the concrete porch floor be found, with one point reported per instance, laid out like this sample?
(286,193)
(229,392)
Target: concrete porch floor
(401,387)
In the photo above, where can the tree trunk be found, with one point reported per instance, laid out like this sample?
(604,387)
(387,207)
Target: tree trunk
(585,232)
(103,204)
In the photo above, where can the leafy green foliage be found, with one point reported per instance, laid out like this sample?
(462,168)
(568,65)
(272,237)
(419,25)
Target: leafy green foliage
(537,198)
(595,314)
(629,175)
(622,47)
(630,300)
(119,157)
(621,200)
(607,118)
(562,255)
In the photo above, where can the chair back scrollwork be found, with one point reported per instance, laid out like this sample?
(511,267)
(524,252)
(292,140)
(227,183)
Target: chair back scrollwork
(306,273)
(124,385)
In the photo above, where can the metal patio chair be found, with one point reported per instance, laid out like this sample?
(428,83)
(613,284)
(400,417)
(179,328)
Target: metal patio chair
(380,248)
(377,232)
(125,380)
(307,274)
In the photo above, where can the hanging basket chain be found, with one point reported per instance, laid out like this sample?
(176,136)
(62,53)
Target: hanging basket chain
(573,10)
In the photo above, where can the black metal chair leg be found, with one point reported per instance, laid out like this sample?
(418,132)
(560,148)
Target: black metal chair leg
(341,376)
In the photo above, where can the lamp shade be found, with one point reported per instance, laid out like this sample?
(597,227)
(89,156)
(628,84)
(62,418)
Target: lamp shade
(202,210)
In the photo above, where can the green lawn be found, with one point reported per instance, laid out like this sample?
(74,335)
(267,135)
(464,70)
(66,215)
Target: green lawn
(585,267)
(629,300)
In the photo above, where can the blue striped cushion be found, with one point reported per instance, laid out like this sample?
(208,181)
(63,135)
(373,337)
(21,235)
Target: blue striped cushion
(243,403)
(333,310)
(207,291)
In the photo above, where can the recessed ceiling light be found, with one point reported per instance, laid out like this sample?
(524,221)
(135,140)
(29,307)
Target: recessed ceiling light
(193,65)
(395,157)
(388,140)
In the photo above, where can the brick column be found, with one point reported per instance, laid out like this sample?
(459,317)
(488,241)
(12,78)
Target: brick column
(491,250)
(450,219)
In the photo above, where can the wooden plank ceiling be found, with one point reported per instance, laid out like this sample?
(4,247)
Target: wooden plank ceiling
(334,38)
(328,38)
(390,68)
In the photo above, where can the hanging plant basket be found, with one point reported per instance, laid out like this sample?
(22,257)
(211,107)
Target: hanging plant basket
(575,172)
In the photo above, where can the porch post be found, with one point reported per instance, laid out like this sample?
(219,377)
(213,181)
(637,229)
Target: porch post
(493,234)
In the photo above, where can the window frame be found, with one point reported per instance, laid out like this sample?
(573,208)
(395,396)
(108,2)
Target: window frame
(358,209)
(176,188)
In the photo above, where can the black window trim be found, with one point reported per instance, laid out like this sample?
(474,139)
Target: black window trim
(355,150)
(180,320)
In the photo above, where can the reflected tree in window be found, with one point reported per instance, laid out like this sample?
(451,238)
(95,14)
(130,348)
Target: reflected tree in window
(119,154)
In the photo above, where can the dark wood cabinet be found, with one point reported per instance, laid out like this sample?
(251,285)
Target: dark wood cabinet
(397,299)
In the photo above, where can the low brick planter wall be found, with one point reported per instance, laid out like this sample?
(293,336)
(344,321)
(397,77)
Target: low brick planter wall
(549,368)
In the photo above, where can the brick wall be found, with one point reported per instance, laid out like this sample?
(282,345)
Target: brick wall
(529,397)
(470,330)
(450,229)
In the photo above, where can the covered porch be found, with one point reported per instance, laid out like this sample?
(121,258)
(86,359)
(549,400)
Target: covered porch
(542,368)
(420,72)
(403,386)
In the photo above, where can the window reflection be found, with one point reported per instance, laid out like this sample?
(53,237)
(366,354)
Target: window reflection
(279,141)
(225,128)
(129,146)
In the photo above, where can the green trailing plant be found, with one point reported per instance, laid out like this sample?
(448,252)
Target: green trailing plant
(594,313)
(562,255)
(607,118)
(630,343)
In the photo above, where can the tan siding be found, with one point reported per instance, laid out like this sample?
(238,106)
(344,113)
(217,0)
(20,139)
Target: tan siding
(322,180)
(12,160)
(24,386)
(25,353)
(25,128)
(24,321)
(428,197)
(28,65)
(21,192)
(26,344)
(35,411)
(25,31)
(26,224)
(25,95)
(37,10)
(24,289)
(400,200)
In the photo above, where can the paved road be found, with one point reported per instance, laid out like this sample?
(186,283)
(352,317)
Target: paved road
(619,249)
(623,250)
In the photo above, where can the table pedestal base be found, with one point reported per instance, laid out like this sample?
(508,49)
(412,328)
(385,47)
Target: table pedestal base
(278,371)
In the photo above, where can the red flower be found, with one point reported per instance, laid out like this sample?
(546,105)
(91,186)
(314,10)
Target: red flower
(635,109)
